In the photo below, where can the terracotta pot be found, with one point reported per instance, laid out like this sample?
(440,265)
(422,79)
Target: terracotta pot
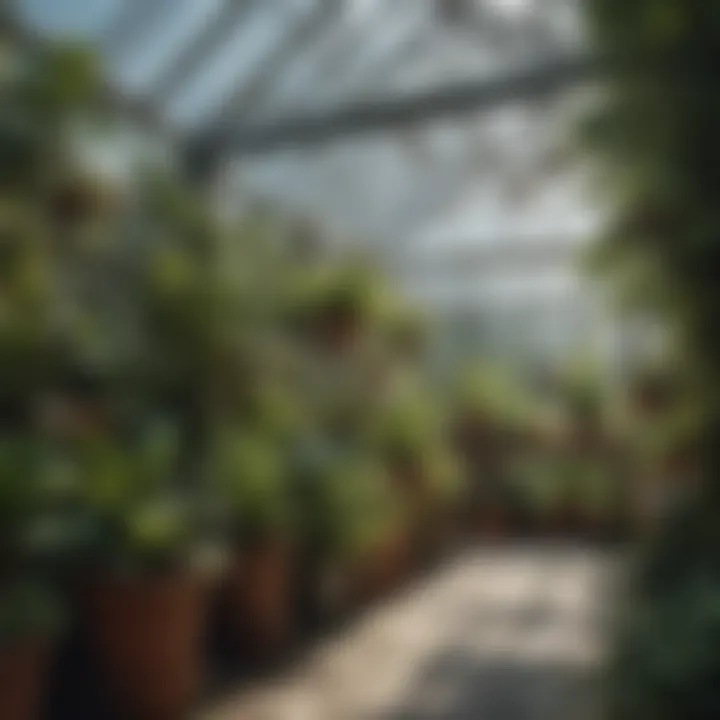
(258,601)
(146,638)
(23,675)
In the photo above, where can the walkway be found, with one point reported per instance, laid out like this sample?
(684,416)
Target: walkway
(501,634)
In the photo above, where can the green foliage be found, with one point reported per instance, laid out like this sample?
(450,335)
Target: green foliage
(29,610)
(447,478)
(140,517)
(405,428)
(492,393)
(345,502)
(658,132)
(121,308)
(334,295)
(38,518)
(251,472)
(666,658)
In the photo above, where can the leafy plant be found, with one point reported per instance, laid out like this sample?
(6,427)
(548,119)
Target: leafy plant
(251,473)
(39,523)
(142,518)
(29,610)
(345,501)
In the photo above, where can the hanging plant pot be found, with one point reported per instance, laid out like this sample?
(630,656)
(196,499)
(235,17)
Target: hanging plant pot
(24,666)
(258,600)
(146,638)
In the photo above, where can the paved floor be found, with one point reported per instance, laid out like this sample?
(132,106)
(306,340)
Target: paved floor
(499,634)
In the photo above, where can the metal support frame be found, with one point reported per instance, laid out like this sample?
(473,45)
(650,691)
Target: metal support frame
(514,255)
(218,28)
(249,94)
(382,114)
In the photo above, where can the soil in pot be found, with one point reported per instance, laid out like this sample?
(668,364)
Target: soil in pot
(146,636)
(24,670)
(258,602)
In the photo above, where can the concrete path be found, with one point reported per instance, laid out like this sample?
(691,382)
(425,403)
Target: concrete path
(499,634)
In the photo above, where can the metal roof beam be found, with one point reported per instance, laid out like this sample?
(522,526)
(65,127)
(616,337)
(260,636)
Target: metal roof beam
(211,36)
(383,114)
(250,93)
(504,255)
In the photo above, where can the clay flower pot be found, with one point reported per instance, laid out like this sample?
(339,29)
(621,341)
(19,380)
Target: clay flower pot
(258,600)
(24,669)
(146,637)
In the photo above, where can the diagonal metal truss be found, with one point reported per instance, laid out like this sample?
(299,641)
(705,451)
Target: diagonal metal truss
(251,93)
(133,21)
(384,114)
(216,31)
(363,97)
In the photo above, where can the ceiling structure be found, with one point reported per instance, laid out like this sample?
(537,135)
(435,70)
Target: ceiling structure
(438,131)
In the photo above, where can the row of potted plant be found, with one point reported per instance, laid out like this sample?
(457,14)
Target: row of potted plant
(198,431)
(139,560)
(545,463)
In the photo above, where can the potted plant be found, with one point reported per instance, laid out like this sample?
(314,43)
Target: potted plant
(258,592)
(147,575)
(31,617)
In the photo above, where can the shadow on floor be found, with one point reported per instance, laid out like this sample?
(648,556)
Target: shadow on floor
(457,685)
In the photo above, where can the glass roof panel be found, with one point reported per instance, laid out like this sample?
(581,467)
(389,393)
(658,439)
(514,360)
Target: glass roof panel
(135,63)
(68,17)
(426,192)
(190,18)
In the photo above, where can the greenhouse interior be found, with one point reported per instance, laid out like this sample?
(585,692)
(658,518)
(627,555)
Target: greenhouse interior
(359,360)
